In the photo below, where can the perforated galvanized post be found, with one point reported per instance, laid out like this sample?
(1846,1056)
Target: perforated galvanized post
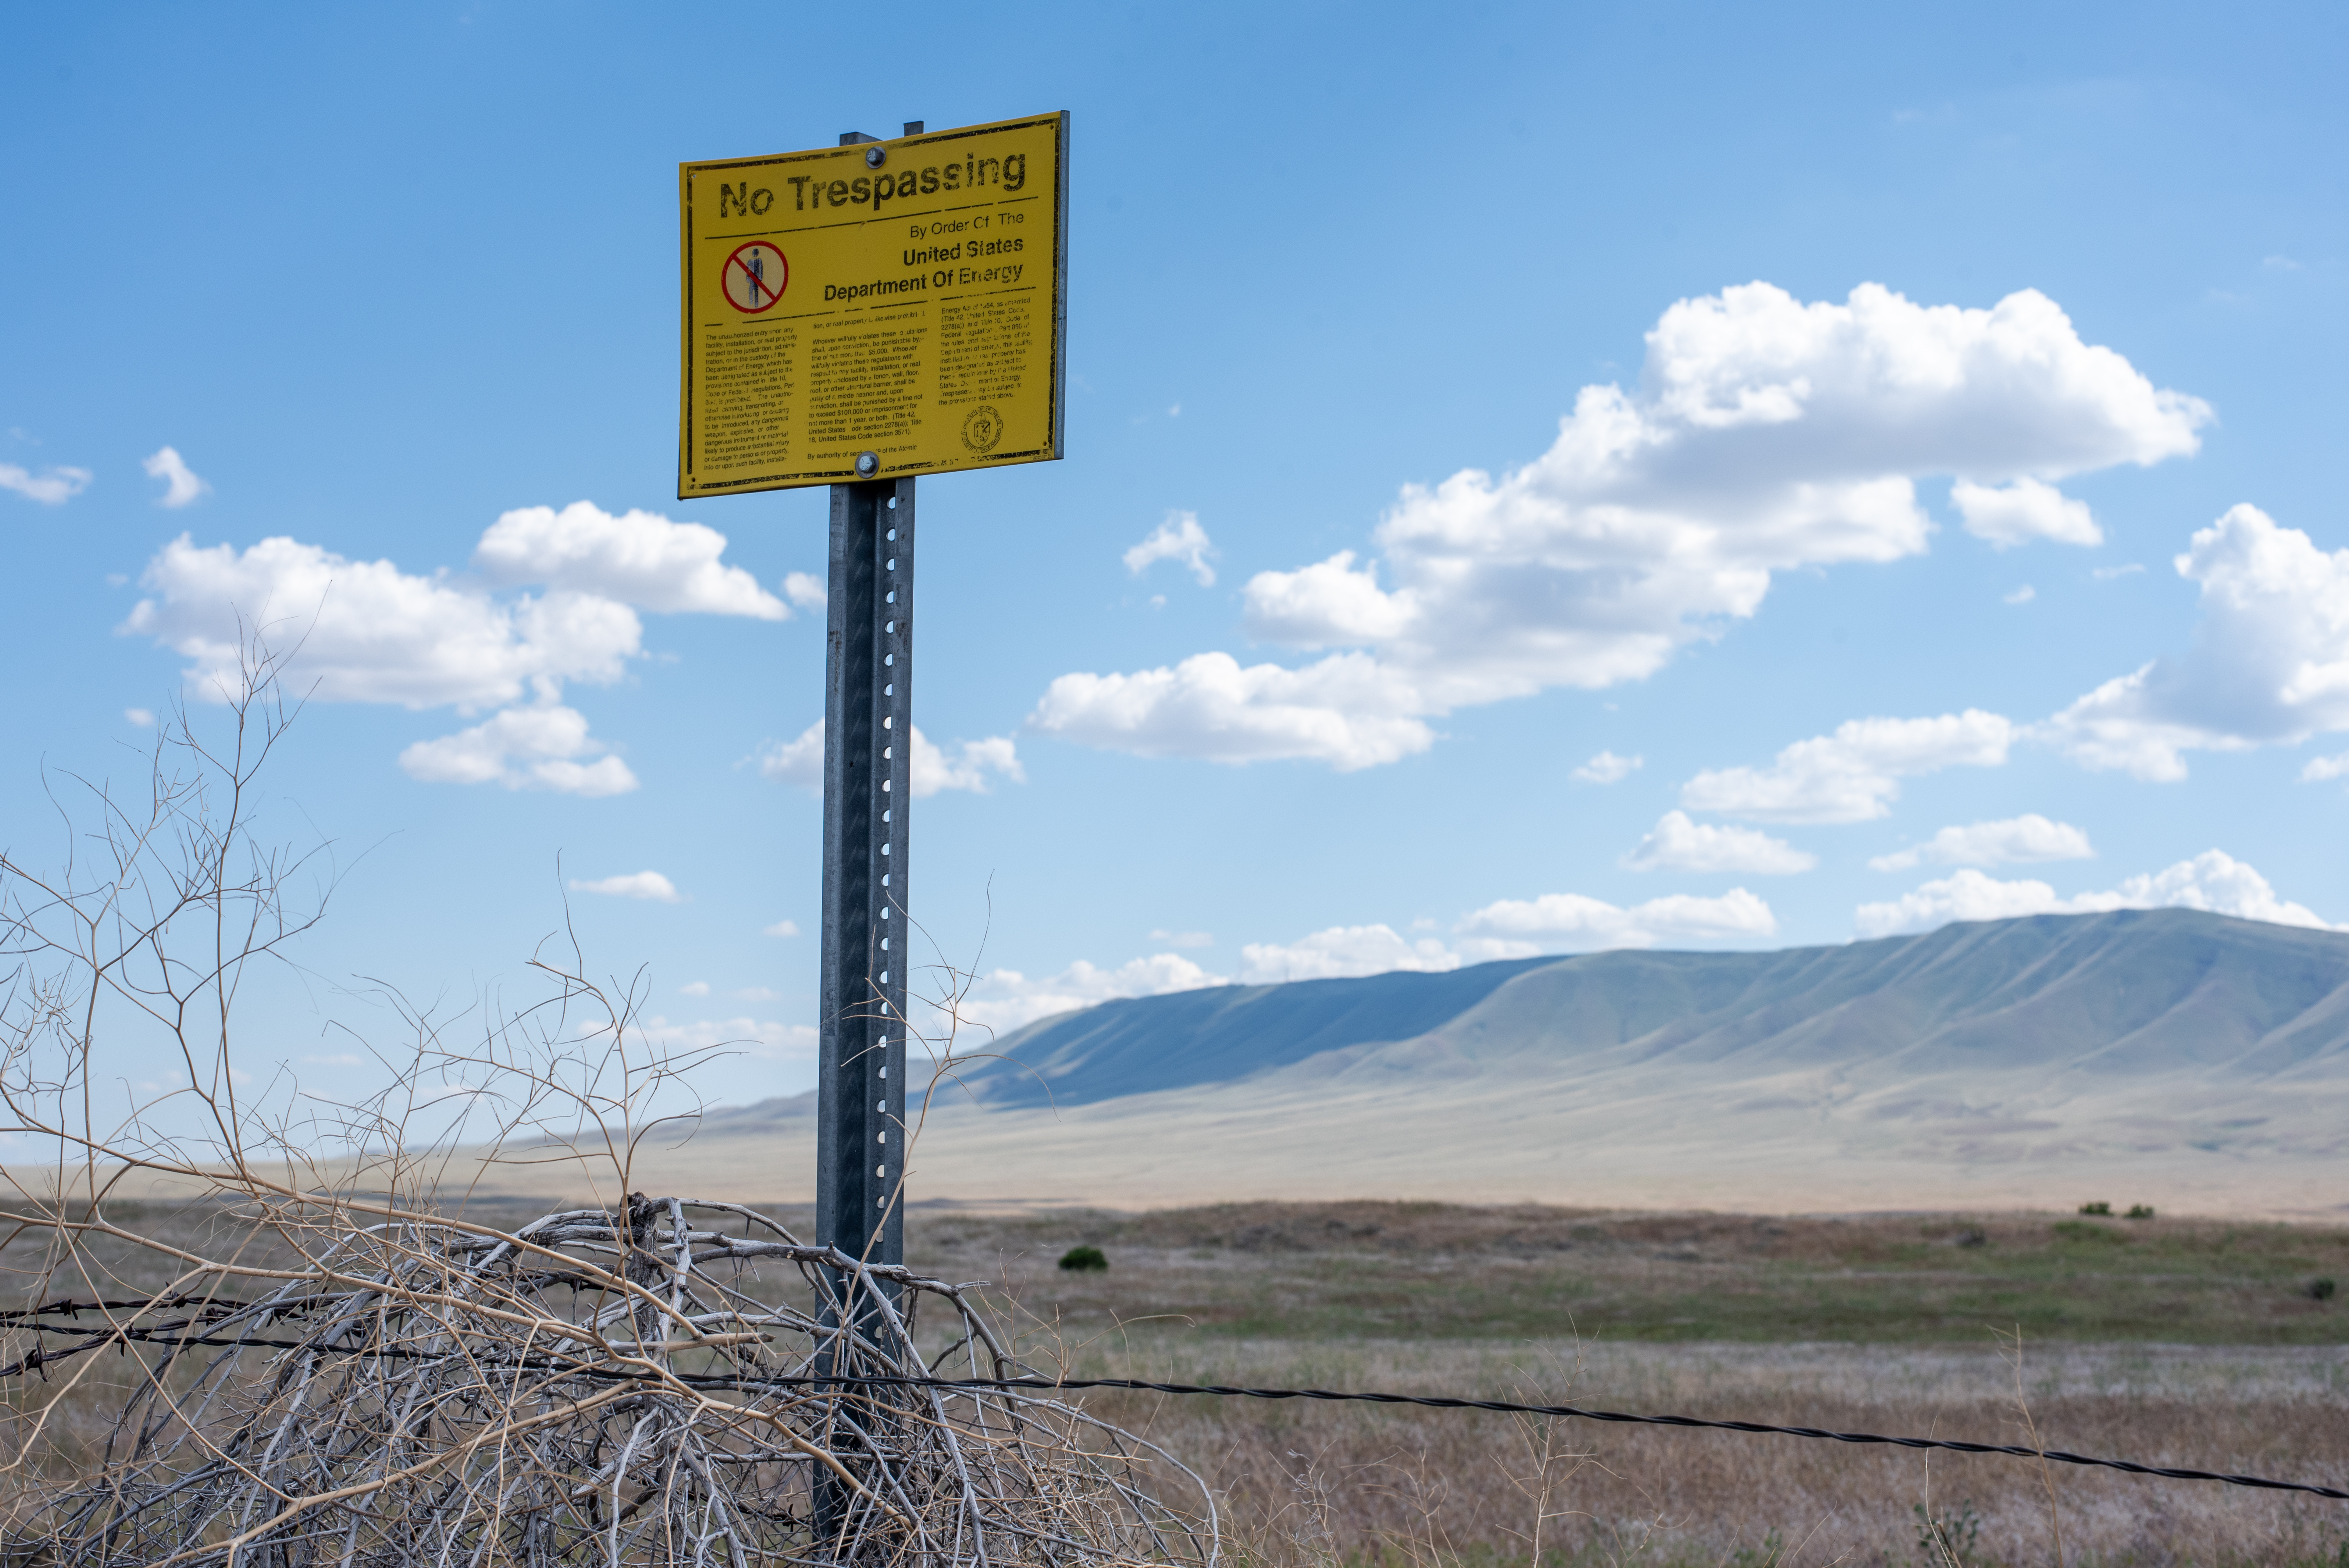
(867,753)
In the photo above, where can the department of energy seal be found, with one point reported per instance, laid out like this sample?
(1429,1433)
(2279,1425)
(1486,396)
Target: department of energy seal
(981,428)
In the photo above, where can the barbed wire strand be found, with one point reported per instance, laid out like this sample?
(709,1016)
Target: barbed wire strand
(161,1334)
(1441,1402)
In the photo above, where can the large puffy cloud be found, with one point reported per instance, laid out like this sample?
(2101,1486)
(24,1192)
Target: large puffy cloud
(638,558)
(2212,881)
(1341,951)
(541,747)
(1513,928)
(1853,775)
(2015,841)
(971,765)
(1681,844)
(1765,435)
(366,631)
(2268,663)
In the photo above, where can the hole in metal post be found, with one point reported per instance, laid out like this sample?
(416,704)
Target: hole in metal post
(893,596)
(885,849)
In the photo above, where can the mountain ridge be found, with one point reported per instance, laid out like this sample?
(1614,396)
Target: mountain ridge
(2130,990)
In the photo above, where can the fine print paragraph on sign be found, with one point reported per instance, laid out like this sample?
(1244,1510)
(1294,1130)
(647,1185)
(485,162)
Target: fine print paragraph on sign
(902,298)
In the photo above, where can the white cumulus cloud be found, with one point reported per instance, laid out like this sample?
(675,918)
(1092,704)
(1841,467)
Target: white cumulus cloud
(970,765)
(2321,769)
(181,484)
(1853,775)
(1345,710)
(2268,663)
(1607,768)
(1680,844)
(1512,928)
(1341,951)
(1179,537)
(1764,435)
(649,885)
(2014,841)
(638,558)
(366,631)
(781,928)
(2017,513)
(370,632)
(541,747)
(2212,881)
(764,1040)
(805,590)
(51,487)
(1004,999)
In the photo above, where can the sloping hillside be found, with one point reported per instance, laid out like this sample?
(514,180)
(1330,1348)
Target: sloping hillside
(2132,992)
(2186,1060)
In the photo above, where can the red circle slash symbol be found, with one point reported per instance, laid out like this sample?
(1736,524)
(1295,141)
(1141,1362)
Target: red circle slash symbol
(756,276)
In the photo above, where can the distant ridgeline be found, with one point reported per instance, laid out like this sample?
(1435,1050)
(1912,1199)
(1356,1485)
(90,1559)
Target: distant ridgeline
(2125,993)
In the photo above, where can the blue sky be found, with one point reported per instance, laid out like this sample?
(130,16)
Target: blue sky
(1843,414)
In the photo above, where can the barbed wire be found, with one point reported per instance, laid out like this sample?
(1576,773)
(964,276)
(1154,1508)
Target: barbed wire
(1445,1402)
(165,1334)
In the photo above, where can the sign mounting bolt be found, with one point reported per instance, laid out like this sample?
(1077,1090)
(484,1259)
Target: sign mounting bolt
(875,157)
(867,465)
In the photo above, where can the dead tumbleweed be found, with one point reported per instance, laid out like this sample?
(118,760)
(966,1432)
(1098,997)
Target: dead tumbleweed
(594,1386)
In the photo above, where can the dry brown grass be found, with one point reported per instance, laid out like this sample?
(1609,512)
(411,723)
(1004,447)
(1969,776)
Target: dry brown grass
(1308,1480)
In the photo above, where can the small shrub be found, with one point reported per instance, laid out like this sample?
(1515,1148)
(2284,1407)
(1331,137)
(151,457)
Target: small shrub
(2140,1212)
(1947,1538)
(2081,1230)
(2095,1208)
(1973,1236)
(1083,1260)
(2322,1290)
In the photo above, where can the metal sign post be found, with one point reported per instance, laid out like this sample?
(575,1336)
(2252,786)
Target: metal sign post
(867,755)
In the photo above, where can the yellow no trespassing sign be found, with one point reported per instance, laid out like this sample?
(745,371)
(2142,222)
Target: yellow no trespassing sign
(902,298)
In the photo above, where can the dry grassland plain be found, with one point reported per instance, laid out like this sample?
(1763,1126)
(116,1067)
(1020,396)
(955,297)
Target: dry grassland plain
(2175,1342)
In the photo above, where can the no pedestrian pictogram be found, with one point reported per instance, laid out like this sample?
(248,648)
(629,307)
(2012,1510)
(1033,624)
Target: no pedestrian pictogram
(756,276)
